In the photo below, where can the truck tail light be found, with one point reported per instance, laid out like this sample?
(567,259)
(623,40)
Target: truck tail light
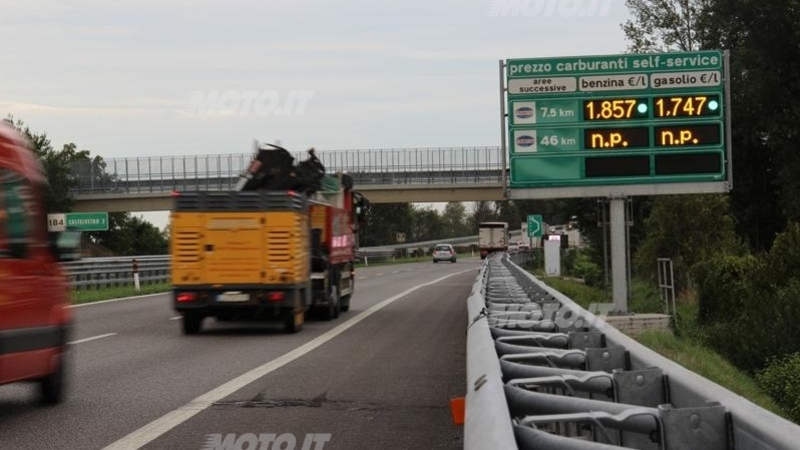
(186,297)
(275,296)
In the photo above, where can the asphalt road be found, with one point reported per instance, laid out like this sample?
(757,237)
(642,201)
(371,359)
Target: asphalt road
(380,376)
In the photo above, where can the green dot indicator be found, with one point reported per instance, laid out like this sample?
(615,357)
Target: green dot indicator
(642,108)
(713,105)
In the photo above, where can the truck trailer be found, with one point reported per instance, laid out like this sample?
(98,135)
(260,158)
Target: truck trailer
(492,237)
(278,245)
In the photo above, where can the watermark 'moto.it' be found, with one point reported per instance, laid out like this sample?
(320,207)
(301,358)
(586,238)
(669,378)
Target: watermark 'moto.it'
(265,441)
(261,103)
(549,8)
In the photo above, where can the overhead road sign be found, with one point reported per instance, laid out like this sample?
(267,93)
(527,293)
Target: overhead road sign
(630,124)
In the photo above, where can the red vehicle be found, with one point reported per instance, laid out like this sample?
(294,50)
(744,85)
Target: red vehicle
(34,293)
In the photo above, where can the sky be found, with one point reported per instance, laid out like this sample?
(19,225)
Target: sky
(163,77)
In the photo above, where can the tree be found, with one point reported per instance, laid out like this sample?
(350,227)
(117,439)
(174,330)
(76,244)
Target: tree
(384,221)
(426,225)
(671,234)
(482,211)
(131,235)
(454,220)
(765,91)
(56,164)
(508,211)
(765,73)
(666,25)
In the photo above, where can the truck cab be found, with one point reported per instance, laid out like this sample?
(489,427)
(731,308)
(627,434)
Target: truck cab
(34,291)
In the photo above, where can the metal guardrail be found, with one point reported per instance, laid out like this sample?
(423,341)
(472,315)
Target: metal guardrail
(544,373)
(100,273)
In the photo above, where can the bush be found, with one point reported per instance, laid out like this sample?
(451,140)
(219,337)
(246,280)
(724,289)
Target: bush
(725,285)
(762,326)
(781,380)
(645,298)
(783,260)
(578,264)
(687,229)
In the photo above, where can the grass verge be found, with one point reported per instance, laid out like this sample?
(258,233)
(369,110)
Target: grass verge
(96,295)
(708,364)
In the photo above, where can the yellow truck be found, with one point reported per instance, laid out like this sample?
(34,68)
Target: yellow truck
(274,248)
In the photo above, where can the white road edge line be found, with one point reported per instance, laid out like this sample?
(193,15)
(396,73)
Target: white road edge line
(165,423)
(119,299)
(93,338)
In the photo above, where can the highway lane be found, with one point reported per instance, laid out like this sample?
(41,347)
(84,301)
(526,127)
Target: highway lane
(139,367)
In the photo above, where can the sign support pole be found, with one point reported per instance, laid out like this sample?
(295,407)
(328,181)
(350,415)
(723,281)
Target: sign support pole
(619,271)
(503,149)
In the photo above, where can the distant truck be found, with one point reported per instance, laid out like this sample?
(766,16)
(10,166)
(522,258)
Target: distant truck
(492,237)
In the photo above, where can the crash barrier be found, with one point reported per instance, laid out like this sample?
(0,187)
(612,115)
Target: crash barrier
(543,373)
(101,273)
(371,255)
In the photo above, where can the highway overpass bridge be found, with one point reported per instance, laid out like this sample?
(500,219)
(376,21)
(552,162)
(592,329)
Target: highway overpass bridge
(416,175)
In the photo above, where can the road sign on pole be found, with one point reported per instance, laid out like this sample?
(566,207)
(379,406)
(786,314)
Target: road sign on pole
(94,221)
(640,124)
(535,226)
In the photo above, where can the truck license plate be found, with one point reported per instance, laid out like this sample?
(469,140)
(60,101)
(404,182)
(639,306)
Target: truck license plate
(233,297)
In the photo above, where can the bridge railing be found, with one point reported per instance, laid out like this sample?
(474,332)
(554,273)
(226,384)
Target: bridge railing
(368,166)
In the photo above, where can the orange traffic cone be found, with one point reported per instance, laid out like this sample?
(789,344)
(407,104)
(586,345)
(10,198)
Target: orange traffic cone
(457,407)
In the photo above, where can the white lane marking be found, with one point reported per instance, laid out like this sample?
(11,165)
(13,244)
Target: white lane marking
(93,338)
(165,423)
(118,299)
(380,274)
(396,271)
(176,318)
(362,278)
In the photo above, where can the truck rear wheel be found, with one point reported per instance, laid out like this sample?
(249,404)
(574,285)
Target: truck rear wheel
(334,304)
(292,322)
(192,323)
(345,303)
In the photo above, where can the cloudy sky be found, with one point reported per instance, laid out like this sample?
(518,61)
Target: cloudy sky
(124,79)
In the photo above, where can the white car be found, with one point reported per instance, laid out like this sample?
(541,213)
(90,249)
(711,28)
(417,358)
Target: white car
(444,252)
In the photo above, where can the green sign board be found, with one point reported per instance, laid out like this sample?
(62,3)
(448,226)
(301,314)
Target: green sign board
(93,221)
(535,225)
(644,119)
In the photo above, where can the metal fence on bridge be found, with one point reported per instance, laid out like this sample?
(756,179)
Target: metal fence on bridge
(466,165)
